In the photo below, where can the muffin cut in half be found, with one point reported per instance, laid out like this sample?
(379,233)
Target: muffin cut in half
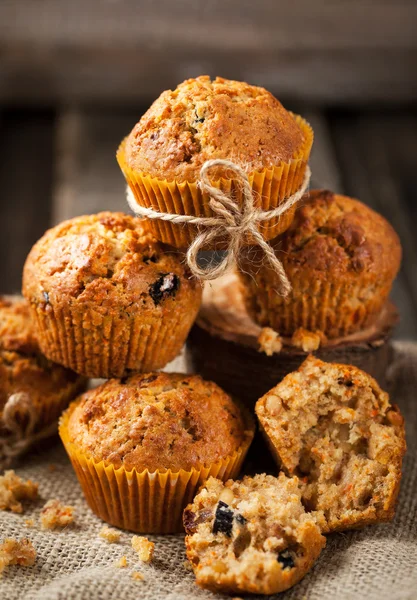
(334,427)
(341,259)
(142,446)
(107,298)
(251,535)
(205,119)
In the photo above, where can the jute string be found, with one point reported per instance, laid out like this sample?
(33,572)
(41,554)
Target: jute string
(19,437)
(235,222)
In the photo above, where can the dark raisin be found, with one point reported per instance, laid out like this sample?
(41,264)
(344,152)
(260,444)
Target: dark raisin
(147,259)
(223,522)
(191,520)
(286,559)
(198,119)
(347,382)
(166,285)
(46,297)
(154,135)
(145,380)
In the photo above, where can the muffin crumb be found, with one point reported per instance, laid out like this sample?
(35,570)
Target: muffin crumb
(137,576)
(187,566)
(110,535)
(13,552)
(270,341)
(121,563)
(143,547)
(29,523)
(56,515)
(13,490)
(308,341)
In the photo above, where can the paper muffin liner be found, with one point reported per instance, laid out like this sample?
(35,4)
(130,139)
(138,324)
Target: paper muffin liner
(144,502)
(335,308)
(271,186)
(97,345)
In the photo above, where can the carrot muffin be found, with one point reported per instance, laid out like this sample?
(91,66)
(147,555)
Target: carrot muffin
(33,390)
(108,299)
(251,535)
(204,119)
(141,446)
(341,258)
(334,427)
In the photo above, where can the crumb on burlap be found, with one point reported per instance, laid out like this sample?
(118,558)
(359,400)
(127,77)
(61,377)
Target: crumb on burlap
(269,341)
(29,523)
(137,576)
(110,535)
(121,563)
(143,547)
(55,514)
(13,490)
(13,552)
(187,565)
(308,341)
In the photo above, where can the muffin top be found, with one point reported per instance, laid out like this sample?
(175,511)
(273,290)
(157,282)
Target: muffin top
(156,421)
(337,235)
(107,260)
(16,330)
(203,119)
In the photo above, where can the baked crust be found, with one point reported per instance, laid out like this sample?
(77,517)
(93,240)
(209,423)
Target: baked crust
(341,258)
(251,535)
(333,427)
(156,421)
(203,119)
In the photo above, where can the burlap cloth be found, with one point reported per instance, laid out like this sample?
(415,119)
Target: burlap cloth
(375,563)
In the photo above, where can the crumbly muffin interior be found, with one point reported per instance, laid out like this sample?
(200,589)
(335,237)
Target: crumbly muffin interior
(250,534)
(334,427)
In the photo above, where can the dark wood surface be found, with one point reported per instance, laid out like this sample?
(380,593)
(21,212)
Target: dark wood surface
(55,164)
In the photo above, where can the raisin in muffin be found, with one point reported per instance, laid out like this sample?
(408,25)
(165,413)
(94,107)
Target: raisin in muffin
(341,258)
(154,438)
(334,427)
(33,390)
(107,299)
(204,119)
(251,535)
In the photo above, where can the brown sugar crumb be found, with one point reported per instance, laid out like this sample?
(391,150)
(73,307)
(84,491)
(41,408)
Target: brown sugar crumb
(13,489)
(110,535)
(137,576)
(13,552)
(121,563)
(269,341)
(29,523)
(308,341)
(143,547)
(54,515)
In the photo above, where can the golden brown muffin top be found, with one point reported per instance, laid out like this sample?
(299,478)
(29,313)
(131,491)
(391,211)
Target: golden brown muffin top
(203,119)
(16,330)
(337,235)
(156,421)
(106,259)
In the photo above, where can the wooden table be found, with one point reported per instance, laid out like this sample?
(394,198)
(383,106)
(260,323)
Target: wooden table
(58,163)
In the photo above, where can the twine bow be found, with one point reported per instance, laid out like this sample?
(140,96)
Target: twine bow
(19,435)
(236,222)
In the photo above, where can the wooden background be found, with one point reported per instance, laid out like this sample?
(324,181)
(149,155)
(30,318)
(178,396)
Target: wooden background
(75,76)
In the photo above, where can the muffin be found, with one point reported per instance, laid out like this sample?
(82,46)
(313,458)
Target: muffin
(142,446)
(334,427)
(202,120)
(33,390)
(107,299)
(341,258)
(251,535)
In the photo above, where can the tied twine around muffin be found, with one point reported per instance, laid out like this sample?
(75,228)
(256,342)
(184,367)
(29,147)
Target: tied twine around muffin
(19,437)
(234,221)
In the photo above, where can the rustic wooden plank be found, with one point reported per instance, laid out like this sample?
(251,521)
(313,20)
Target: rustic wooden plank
(128,50)
(88,178)
(364,150)
(26,156)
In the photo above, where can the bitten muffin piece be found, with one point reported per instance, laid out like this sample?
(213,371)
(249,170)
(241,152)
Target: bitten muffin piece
(107,299)
(26,376)
(156,421)
(334,427)
(341,258)
(251,535)
(204,119)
